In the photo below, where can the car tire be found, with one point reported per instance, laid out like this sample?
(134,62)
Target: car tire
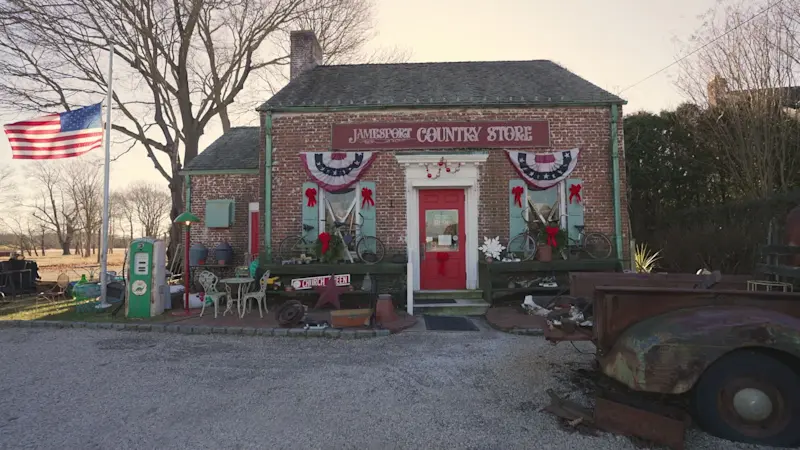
(749,396)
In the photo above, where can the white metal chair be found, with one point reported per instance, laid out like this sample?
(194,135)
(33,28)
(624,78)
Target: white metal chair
(260,296)
(209,282)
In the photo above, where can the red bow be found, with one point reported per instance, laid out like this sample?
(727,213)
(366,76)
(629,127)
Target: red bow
(366,197)
(442,257)
(551,235)
(575,191)
(325,239)
(518,191)
(311,195)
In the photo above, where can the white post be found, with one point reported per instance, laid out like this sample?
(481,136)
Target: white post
(410,283)
(107,170)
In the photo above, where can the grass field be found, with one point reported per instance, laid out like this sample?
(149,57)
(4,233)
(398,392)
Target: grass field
(54,263)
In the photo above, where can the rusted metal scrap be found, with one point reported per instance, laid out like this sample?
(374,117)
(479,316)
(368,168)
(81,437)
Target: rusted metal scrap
(619,418)
(572,412)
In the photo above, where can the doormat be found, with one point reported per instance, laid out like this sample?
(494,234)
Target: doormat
(437,300)
(449,323)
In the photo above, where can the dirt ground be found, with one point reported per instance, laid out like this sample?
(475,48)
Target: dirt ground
(54,263)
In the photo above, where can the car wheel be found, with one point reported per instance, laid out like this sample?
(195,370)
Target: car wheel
(749,396)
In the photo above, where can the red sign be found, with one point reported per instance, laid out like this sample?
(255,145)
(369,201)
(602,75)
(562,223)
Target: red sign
(424,135)
(312,282)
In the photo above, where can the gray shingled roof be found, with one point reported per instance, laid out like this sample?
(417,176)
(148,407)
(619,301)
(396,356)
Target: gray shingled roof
(538,82)
(237,149)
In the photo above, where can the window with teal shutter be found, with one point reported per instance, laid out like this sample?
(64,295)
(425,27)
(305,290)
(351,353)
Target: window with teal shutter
(574,210)
(516,223)
(311,196)
(219,213)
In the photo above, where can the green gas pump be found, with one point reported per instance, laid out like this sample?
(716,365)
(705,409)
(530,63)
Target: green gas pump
(147,289)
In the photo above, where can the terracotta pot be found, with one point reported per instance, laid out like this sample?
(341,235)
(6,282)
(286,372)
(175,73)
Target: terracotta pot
(544,253)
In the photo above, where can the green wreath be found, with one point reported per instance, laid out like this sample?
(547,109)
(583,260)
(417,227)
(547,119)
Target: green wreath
(335,248)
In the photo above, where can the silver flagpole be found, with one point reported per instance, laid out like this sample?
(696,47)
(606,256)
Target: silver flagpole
(107,170)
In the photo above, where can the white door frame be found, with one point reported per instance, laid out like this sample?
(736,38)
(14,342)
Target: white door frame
(467,176)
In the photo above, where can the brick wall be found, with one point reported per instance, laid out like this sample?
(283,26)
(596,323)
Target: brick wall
(587,128)
(243,189)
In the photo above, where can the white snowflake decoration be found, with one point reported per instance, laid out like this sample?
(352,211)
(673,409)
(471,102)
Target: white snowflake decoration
(492,248)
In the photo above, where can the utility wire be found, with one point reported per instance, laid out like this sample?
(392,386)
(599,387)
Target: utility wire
(766,8)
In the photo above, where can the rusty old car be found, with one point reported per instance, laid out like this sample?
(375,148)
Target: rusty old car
(733,353)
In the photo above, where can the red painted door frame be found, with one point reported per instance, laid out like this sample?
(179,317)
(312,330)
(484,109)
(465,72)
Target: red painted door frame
(254,227)
(442,268)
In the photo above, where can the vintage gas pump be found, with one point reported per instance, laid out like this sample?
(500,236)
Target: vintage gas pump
(147,282)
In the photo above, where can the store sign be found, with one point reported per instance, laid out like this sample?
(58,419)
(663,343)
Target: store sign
(424,135)
(300,284)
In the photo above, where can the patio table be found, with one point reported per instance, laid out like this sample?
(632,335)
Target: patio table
(242,282)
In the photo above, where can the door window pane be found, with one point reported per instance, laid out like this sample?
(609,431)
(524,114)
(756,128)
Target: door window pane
(441,230)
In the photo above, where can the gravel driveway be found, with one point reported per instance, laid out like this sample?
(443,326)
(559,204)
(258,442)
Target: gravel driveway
(86,389)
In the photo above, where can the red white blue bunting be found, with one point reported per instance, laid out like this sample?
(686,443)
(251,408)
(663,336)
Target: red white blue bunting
(544,170)
(336,171)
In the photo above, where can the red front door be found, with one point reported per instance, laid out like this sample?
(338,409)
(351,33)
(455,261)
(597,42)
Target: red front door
(443,262)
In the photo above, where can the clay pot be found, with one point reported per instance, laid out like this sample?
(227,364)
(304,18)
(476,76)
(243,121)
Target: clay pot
(544,253)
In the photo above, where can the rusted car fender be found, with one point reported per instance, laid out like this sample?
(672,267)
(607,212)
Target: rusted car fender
(668,353)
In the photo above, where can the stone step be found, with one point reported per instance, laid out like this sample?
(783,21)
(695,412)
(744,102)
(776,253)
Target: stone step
(462,307)
(419,296)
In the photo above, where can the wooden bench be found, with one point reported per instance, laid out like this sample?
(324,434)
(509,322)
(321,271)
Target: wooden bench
(495,278)
(385,278)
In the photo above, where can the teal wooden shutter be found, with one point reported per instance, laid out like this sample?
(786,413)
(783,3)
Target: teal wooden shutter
(516,223)
(311,212)
(369,224)
(574,210)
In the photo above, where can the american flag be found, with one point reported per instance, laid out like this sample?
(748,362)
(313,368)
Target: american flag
(54,136)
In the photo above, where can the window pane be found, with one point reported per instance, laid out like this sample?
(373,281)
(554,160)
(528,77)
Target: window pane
(340,206)
(441,230)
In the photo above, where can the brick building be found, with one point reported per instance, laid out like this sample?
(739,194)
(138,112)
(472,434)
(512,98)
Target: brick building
(426,156)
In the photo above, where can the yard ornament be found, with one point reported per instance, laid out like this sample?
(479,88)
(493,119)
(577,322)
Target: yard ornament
(492,248)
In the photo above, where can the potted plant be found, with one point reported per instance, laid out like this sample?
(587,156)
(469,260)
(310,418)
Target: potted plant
(491,248)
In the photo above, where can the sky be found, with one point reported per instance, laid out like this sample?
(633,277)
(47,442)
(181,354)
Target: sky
(613,43)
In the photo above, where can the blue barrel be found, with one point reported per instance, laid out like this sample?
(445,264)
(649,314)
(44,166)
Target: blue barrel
(224,252)
(197,253)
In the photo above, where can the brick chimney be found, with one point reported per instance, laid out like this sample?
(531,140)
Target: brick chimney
(717,89)
(306,52)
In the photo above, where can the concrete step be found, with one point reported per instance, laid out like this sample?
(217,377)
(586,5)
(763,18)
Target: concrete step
(419,296)
(462,307)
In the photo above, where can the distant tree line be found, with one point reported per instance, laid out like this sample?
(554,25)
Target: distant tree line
(63,209)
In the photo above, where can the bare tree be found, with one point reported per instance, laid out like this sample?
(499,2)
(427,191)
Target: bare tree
(744,77)
(150,205)
(53,207)
(9,190)
(183,63)
(123,212)
(84,184)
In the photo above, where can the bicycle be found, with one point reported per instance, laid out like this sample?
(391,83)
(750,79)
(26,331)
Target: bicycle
(596,245)
(526,242)
(368,249)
